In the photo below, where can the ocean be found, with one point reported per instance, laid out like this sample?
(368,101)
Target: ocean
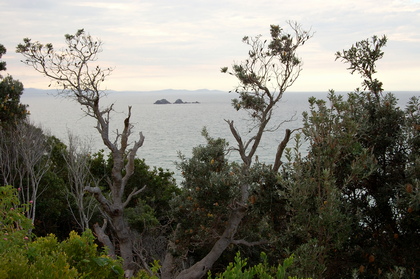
(169,129)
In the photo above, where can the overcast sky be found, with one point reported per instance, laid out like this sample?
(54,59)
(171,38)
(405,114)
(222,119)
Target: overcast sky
(182,44)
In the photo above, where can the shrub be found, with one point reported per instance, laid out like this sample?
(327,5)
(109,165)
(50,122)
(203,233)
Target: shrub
(263,270)
(46,257)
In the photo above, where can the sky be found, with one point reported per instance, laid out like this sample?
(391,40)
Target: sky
(182,44)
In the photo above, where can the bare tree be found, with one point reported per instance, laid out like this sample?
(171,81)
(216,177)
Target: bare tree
(24,161)
(78,161)
(35,154)
(9,159)
(263,78)
(71,69)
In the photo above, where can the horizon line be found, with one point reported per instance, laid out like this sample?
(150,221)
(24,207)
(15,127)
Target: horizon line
(218,90)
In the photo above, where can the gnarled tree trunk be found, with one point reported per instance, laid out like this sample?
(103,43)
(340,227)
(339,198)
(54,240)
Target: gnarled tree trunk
(199,269)
(71,69)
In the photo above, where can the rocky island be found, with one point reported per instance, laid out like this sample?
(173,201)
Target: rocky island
(178,101)
(162,102)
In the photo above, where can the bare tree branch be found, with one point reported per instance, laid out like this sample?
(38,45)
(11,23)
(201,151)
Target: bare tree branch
(280,150)
(249,244)
(97,192)
(104,238)
(132,194)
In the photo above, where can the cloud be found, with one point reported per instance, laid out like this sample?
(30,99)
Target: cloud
(157,44)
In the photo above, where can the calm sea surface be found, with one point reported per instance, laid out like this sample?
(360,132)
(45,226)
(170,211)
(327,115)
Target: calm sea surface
(168,129)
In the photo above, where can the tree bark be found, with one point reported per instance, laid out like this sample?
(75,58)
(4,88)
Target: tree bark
(280,150)
(103,237)
(167,265)
(201,268)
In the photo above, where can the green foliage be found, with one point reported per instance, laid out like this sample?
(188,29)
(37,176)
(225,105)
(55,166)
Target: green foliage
(52,208)
(152,206)
(141,216)
(2,63)
(362,58)
(24,160)
(14,226)
(154,200)
(209,185)
(315,184)
(46,257)
(353,199)
(271,68)
(53,214)
(83,254)
(349,208)
(11,110)
(154,269)
(210,190)
(239,269)
(355,192)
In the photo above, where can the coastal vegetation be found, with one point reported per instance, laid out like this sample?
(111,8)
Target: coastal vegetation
(347,207)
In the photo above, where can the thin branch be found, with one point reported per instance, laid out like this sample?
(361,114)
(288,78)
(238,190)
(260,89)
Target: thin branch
(249,244)
(132,194)
(97,192)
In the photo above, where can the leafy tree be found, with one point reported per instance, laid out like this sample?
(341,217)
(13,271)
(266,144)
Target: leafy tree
(2,63)
(71,69)
(353,198)
(385,132)
(210,189)
(317,186)
(11,110)
(263,78)
(202,209)
(362,58)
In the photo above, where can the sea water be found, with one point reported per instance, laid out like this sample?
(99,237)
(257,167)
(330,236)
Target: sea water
(170,129)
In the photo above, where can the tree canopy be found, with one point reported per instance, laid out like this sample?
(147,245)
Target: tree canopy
(11,110)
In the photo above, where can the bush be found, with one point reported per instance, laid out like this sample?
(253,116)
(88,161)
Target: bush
(263,270)
(46,257)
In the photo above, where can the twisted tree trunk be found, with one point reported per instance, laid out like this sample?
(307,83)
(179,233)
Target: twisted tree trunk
(201,268)
(71,69)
